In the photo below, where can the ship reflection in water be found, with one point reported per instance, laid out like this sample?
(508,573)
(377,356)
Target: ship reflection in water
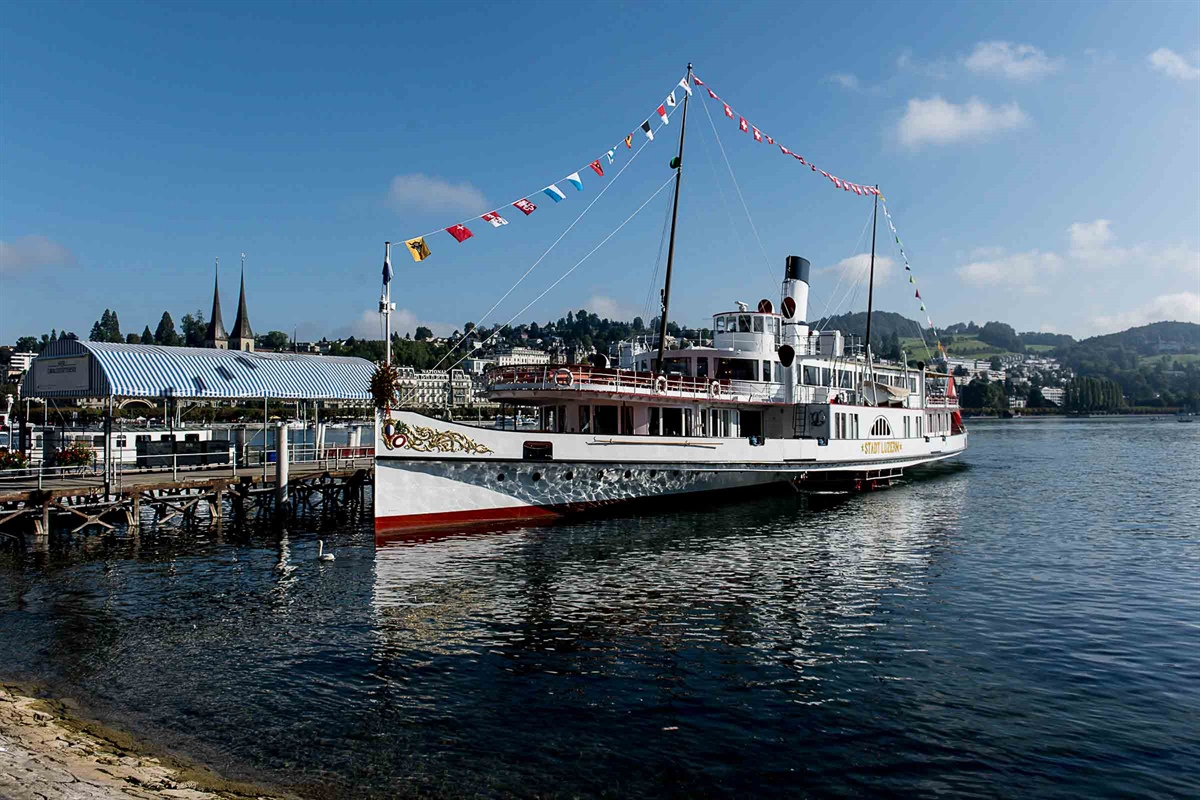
(974,630)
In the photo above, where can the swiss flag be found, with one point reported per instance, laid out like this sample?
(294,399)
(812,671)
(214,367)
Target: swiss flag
(711,93)
(784,150)
(757,135)
(728,111)
(743,126)
(525,206)
(770,140)
(698,81)
(459,232)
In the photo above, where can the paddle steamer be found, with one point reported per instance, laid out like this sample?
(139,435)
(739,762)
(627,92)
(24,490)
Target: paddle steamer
(770,402)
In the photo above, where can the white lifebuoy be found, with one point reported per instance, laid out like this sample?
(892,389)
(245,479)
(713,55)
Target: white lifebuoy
(714,389)
(660,383)
(564,377)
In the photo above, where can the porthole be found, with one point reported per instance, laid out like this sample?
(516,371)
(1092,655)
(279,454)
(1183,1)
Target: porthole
(628,474)
(500,476)
(537,476)
(569,475)
(653,473)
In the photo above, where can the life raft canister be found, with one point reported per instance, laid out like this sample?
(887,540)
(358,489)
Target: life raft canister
(564,377)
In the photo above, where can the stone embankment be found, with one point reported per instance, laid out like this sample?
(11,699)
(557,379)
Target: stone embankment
(47,755)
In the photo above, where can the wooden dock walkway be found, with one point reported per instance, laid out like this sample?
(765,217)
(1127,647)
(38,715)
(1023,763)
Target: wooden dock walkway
(38,502)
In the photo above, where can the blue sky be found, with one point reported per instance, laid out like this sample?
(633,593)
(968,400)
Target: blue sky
(1041,160)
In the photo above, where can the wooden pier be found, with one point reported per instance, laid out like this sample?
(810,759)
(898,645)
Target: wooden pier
(38,504)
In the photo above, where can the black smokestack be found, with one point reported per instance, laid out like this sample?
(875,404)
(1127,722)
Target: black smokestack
(797,269)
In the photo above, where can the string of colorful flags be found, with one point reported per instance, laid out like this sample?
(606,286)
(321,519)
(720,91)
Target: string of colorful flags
(745,127)
(419,248)
(911,277)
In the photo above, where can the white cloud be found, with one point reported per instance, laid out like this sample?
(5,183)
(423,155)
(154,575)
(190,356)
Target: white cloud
(418,192)
(1016,270)
(940,122)
(1093,245)
(33,252)
(369,325)
(1176,307)
(845,80)
(1092,256)
(1016,61)
(856,268)
(607,308)
(930,69)
(1173,65)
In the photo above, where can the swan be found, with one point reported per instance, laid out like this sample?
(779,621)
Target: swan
(321,554)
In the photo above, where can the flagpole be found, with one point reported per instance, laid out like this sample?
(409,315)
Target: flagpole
(871,289)
(386,305)
(666,295)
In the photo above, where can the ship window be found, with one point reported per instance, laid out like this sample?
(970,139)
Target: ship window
(606,419)
(826,376)
(778,372)
(121,442)
(561,419)
(720,324)
(810,376)
(881,427)
(654,417)
(191,437)
(743,323)
(627,420)
(766,371)
(672,422)
(758,324)
(702,367)
(585,419)
(854,426)
(98,441)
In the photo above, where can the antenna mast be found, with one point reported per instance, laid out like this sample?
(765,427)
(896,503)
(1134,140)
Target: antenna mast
(871,286)
(678,165)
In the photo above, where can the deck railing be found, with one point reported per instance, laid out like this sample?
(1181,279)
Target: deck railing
(622,381)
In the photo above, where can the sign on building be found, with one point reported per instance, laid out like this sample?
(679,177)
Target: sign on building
(66,374)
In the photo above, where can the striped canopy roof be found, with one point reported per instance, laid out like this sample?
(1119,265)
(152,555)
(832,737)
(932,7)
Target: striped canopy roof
(145,370)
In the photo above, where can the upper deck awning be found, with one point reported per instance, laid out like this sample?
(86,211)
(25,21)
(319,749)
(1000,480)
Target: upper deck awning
(78,369)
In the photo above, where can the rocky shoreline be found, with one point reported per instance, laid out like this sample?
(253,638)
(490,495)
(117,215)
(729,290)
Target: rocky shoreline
(47,753)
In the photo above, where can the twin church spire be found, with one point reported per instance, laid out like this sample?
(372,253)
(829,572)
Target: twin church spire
(216,336)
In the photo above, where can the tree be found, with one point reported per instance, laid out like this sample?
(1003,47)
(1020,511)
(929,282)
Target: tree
(132,338)
(114,328)
(98,334)
(960,371)
(422,333)
(165,333)
(147,336)
(994,365)
(1036,400)
(274,340)
(27,344)
(194,329)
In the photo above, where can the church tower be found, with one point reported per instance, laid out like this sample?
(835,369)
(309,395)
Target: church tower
(242,337)
(216,337)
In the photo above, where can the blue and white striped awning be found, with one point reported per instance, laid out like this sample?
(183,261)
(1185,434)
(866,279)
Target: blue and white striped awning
(144,370)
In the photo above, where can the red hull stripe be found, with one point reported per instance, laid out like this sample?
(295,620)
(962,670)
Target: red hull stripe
(450,518)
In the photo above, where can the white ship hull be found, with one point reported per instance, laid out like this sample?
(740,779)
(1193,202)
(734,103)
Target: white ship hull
(431,473)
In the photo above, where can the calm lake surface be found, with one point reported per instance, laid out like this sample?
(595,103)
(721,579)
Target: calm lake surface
(1024,624)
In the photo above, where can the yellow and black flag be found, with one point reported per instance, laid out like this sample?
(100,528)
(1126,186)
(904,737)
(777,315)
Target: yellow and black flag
(418,248)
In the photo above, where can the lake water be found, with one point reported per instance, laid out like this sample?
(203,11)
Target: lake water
(1026,623)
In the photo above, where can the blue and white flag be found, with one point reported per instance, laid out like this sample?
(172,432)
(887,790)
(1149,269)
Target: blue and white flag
(576,181)
(610,156)
(387,270)
(554,193)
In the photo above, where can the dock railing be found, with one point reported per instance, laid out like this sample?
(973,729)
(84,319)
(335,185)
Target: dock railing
(120,473)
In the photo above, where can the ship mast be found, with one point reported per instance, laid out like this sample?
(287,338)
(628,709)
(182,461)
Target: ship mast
(677,163)
(871,286)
